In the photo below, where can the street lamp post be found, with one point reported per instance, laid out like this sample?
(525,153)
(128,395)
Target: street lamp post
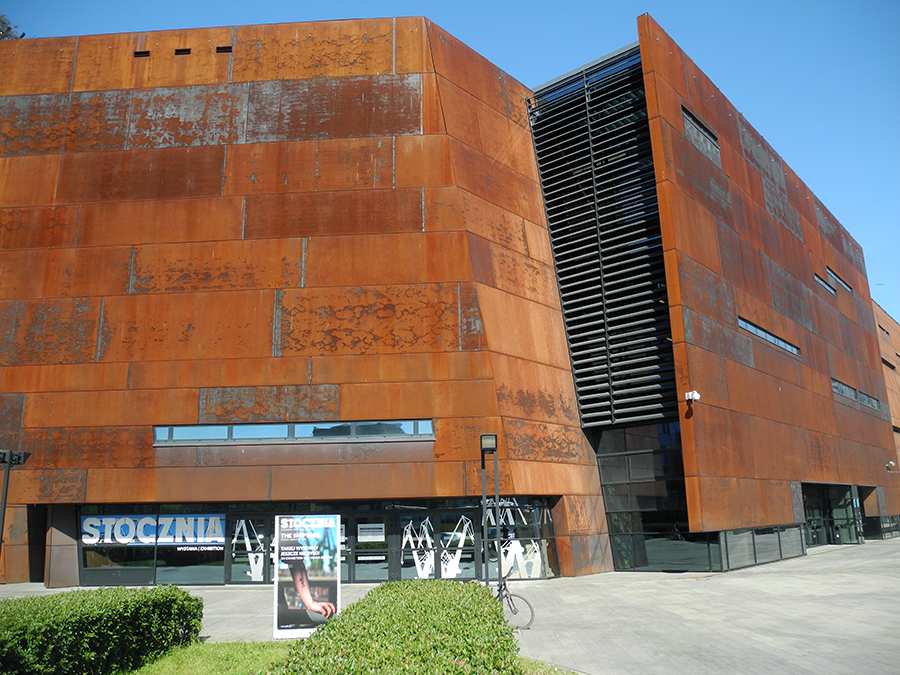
(489,447)
(9,459)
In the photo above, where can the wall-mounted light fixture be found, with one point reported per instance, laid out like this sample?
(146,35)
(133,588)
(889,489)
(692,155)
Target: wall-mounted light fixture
(692,396)
(890,467)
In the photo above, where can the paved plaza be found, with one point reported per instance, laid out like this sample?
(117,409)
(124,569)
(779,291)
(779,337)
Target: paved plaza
(836,610)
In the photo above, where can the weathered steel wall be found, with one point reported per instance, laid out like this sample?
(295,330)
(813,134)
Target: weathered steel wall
(745,238)
(335,220)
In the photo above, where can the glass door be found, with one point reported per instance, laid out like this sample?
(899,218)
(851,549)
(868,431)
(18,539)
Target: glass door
(250,559)
(368,538)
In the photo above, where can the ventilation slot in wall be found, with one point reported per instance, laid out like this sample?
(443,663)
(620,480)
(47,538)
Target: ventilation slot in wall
(183,52)
(223,49)
(142,54)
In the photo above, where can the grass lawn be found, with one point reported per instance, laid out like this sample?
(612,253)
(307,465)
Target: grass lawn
(249,658)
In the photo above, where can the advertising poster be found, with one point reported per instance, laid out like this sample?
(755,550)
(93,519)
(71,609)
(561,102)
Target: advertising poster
(307,579)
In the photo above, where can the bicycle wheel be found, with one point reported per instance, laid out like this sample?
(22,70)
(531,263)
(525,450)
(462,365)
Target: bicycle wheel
(517,611)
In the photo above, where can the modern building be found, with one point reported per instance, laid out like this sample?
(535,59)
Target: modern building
(312,268)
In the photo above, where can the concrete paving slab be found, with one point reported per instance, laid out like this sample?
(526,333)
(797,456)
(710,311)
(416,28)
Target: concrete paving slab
(834,611)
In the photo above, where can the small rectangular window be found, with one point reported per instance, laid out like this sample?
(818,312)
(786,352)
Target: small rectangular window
(824,284)
(833,275)
(142,54)
(885,331)
(183,52)
(889,364)
(839,387)
(701,138)
(223,49)
(870,401)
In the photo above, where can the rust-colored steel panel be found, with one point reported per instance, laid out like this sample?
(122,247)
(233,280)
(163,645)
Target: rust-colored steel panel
(98,121)
(214,484)
(506,141)
(156,222)
(48,227)
(480,254)
(141,174)
(532,391)
(418,400)
(186,116)
(432,110)
(343,107)
(476,75)
(216,266)
(538,241)
(28,180)
(696,176)
(496,183)
(411,53)
(313,454)
(270,404)
(11,406)
(706,292)
(433,257)
(707,374)
(310,166)
(346,212)
(663,101)
(112,61)
(579,514)
(554,479)
(496,224)
(542,442)
(525,277)
(111,408)
(60,448)
(219,373)
(459,438)
(441,208)
(423,161)
(384,319)
(31,125)
(471,327)
(660,54)
(296,51)
(58,330)
(41,273)
(460,112)
(383,481)
(730,254)
(123,485)
(698,240)
(36,66)
(49,486)
(72,377)
(519,327)
(400,367)
(744,177)
(166,327)
(727,341)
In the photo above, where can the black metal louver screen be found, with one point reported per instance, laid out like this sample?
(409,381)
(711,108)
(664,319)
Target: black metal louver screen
(592,141)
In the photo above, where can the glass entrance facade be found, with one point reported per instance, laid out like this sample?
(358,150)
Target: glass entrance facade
(131,544)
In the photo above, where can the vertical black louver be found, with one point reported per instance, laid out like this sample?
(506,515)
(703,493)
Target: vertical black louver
(592,141)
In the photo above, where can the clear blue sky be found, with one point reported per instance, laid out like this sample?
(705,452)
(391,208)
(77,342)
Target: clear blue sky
(820,80)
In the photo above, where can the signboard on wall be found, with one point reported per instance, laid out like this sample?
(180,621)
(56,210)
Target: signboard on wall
(201,530)
(307,576)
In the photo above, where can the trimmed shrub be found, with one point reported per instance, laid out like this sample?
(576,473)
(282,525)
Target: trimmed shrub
(95,632)
(411,627)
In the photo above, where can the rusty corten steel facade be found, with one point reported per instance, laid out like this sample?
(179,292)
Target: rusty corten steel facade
(315,221)
(889,344)
(747,239)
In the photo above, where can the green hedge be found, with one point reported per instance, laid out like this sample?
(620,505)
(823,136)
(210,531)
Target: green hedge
(95,632)
(411,627)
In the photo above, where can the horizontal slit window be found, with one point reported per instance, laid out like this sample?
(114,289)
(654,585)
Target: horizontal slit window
(299,432)
(183,52)
(768,337)
(701,138)
(889,364)
(142,54)
(223,49)
(870,401)
(839,387)
(824,284)
(833,275)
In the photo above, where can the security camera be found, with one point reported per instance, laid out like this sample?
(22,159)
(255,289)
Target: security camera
(692,396)
(890,465)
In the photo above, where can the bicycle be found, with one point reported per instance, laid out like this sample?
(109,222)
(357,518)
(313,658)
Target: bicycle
(517,611)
